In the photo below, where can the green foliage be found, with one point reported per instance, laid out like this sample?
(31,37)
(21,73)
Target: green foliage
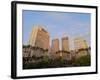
(46,62)
(82,61)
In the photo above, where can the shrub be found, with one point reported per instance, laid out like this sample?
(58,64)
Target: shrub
(82,61)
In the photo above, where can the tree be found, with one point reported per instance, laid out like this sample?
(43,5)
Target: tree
(82,61)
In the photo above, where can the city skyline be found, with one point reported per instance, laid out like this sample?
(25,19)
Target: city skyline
(57,24)
(39,49)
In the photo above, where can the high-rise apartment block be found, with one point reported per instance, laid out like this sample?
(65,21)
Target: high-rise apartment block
(80,46)
(65,44)
(55,46)
(39,37)
(80,43)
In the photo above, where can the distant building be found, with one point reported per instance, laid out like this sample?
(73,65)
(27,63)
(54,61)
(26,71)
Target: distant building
(65,48)
(39,37)
(38,44)
(80,47)
(80,43)
(65,44)
(55,46)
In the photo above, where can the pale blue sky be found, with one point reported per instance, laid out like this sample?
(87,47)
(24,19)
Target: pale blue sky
(57,24)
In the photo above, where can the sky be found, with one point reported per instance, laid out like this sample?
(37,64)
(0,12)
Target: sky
(58,24)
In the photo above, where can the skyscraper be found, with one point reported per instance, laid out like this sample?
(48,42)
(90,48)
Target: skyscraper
(80,43)
(65,44)
(39,37)
(65,48)
(55,46)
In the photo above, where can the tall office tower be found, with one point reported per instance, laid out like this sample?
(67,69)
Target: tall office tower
(65,44)
(39,37)
(65,47)
(55,45)
(80,43)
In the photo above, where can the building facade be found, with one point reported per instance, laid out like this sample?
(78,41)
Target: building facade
(80,43)
(65,44)
(38,44)
(39,37)
(65,48)
(55,46)
(81,47)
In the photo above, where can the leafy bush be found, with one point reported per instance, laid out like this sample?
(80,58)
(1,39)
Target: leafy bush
(46,62)
(82,61)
